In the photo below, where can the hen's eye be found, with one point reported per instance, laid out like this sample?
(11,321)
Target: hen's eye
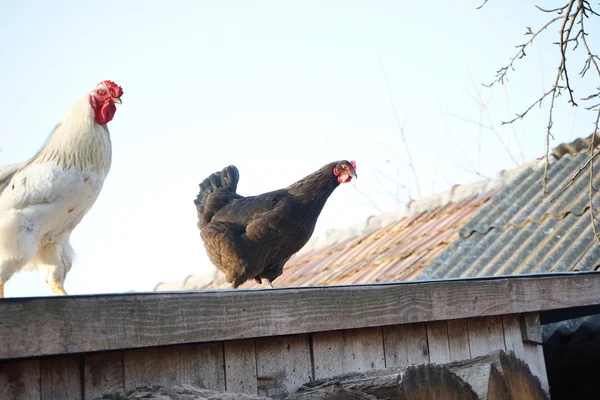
(101,92)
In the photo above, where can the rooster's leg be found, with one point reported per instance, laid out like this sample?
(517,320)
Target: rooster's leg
(267,283)
(1,290)
(57,287)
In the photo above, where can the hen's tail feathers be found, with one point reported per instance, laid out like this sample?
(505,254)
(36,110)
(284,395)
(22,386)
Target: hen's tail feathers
(6,174)
(226,180)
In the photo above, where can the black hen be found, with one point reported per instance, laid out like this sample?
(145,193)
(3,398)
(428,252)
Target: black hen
(253,237)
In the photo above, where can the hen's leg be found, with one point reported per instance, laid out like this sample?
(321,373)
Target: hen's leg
(17,245)
(267,283)
(54,261)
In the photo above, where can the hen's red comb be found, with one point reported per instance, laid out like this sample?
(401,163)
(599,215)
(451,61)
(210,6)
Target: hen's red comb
(353,164)
(114,89)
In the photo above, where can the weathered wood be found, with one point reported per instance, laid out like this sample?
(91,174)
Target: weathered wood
(103,373)
(534,357)
(458,340)
(485,335)
(339,352)
(208,366)
(405,345)
(530,328)
(480,373)
(331,392)
(519,378)
(61,378)
(283,364)
(240,366)
(20,380)
(35,326)
(484,378)
(177,392)
(437,337)
(513,340)
(196,365)
(434,382)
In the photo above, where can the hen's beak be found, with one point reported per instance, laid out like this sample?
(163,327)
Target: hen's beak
(353,174)
(116,100)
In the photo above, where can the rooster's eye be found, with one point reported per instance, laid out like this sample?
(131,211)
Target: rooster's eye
(101,92)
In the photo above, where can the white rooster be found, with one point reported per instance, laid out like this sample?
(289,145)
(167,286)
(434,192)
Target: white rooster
(43,199)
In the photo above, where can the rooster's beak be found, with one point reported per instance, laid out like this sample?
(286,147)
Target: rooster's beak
(116,100)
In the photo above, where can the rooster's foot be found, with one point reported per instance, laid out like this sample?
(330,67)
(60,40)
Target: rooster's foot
(57,288)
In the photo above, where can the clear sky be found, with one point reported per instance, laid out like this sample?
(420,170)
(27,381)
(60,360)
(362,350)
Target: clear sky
(277,88)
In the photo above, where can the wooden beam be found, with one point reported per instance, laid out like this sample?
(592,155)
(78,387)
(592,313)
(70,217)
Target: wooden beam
(32,327)
(530,328)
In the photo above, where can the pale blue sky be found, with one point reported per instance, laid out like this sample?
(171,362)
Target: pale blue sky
(276,88)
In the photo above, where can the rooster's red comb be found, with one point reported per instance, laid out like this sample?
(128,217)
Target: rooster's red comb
(114,89)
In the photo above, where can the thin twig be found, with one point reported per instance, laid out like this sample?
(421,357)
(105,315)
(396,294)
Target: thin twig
(400,128)
(576,174)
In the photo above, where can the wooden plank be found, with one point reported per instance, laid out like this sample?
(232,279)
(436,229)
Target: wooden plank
(240,367)
(35,326)
(339,352)
(283,364)
(513,340)
(534,357)
(405,345)
(437,338)
(196,365)
(458,340)
(103,373)
(531,329)
(205,366)
(485,335)
(61,378)
(20,380)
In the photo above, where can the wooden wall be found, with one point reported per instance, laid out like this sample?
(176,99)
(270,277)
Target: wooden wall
(271,365)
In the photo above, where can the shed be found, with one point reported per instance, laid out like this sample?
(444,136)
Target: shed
(272,341)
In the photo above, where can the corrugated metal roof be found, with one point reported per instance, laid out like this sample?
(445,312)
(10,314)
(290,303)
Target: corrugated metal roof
(518,231)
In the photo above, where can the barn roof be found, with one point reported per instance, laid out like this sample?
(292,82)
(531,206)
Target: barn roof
(519,232)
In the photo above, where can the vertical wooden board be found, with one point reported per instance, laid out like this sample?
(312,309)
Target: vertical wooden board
(198,365)
(328,354)
(355,350)
(512,335)
(534,357)
(61,378)
(458,340)
(485,335)
(531,329)
(151,366)
(283,364)
(437,338)
(20,380)
(202,365)
(103,373)
(363,350)
(405,345)
(240,366)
